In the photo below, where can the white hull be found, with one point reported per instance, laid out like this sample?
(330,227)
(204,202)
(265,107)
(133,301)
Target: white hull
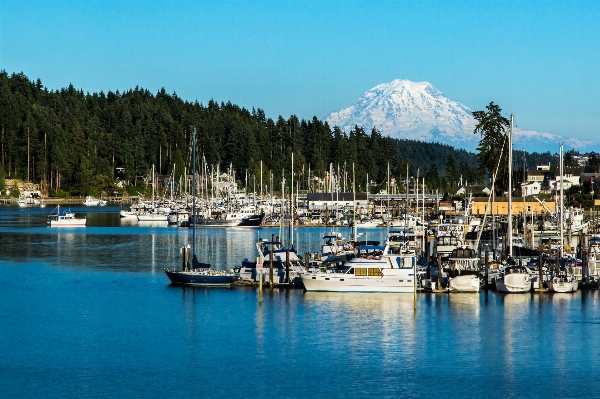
(392,280)
(466,283)
(68,223)
(151,217)
(514,283)
(564,286)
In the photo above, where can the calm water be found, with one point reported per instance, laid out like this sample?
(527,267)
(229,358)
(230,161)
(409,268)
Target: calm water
(89,312)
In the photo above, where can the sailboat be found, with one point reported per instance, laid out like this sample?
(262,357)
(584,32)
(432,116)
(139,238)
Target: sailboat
(194,272)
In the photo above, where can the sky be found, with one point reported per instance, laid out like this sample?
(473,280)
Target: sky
(539,60)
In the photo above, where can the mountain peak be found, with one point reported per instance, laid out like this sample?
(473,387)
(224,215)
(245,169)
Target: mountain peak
(406,109)
(418,111)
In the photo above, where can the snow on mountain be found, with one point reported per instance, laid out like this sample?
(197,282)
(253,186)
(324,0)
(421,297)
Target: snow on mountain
(418,111)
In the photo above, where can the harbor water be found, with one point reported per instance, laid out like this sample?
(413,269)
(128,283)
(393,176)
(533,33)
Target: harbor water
(89,312)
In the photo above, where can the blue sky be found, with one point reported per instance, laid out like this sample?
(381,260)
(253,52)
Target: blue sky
(537,59)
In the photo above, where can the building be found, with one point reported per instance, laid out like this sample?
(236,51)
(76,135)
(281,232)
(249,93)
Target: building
(500,206)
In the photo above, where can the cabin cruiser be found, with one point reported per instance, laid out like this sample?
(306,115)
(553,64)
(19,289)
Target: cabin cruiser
(373,269)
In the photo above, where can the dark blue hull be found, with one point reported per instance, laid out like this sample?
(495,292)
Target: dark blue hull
(195,278)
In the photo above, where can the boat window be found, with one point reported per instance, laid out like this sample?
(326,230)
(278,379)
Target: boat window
(351,271)
(360,271)
(374,271)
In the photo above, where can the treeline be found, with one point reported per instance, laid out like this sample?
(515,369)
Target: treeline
(71,141)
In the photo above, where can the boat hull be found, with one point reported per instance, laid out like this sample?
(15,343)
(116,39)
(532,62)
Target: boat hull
(514,283)
(398,281)
(563,286)
(466,283)
(200,278)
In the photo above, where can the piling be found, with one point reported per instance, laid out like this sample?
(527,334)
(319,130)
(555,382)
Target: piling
(540,288)
(188,251)
(287,266)
(487,269)
(260,285)
(306,260)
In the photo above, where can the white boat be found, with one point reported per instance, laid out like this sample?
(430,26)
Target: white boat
(286,265)
(514,279)
(65,219)
(93,201)
(22,202)
(374,269)
(152,217)
(335,249)
(563,284)
(464,271)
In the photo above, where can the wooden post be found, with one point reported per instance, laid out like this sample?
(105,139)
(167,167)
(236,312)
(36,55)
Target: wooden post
(260,285)
(188,259)
(306,260)
(541,279)
(287,266)
(183,255)
(487,268)
(440,269)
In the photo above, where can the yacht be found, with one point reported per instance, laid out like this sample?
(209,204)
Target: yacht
(373,269)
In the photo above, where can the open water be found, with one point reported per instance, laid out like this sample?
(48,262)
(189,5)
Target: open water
(88,312)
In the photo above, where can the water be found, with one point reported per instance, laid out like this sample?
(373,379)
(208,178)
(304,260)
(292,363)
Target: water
(89,312)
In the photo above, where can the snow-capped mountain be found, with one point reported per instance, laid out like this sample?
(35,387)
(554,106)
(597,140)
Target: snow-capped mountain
(418,111)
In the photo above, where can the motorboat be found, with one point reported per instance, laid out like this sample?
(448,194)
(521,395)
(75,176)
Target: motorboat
(464,270)
(65,219)
(93,201)
(514,279)
(285,263)
(373,269)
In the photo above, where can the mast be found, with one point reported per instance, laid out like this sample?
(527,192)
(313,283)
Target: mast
(292,202)
(194,188)
(509,239)
(560,215)
(354,202)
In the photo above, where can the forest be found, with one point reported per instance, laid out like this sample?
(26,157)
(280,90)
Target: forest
(75,143)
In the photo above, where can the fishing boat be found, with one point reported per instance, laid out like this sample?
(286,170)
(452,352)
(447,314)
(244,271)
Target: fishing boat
(373,269)
(65,219)
(514,279)
(192,271)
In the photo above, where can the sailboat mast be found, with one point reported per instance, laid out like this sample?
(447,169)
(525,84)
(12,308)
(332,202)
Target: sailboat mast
(509,228)
(292,202)
(194,188)
(560,214)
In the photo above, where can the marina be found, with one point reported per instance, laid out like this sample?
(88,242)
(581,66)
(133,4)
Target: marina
(104,287)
